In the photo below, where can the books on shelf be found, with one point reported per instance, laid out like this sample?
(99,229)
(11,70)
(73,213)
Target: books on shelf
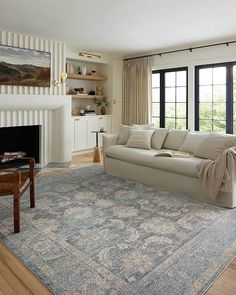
(90,113)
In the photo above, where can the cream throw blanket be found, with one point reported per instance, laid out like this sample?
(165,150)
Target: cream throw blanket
(218,175)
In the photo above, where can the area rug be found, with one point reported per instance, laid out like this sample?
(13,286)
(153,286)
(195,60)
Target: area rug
(93,233)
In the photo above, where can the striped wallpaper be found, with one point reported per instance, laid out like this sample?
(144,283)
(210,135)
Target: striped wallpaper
(57,50)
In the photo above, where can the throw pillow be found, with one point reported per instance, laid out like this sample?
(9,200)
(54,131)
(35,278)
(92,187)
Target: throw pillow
(140,139)
(174,139)
(214,145)
(193,141)
(124,134)
(159,137)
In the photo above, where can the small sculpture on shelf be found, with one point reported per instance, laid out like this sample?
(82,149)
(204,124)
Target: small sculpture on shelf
(103,103)
(99,90)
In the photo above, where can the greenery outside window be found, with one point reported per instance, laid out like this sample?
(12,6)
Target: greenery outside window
(169,98)
(215,96)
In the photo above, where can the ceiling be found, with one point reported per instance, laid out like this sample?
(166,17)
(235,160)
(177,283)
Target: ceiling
(124,27)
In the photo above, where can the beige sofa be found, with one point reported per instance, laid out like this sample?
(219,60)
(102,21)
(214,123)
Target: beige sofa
(178,173)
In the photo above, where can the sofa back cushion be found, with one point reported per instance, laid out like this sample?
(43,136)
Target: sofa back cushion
(144,126)
(140,139)
(174,139)
(193,141)
(159,137)
(213,145)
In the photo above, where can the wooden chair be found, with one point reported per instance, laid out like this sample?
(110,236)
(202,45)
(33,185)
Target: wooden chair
(13,182)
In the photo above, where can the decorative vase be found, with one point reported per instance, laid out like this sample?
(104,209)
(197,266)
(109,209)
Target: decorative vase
(103,110)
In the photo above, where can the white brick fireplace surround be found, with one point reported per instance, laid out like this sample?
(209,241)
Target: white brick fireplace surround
(52,112)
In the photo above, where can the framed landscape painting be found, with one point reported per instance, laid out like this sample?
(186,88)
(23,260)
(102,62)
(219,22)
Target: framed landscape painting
(24,67)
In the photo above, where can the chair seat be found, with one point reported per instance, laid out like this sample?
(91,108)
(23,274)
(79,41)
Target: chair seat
(16,182)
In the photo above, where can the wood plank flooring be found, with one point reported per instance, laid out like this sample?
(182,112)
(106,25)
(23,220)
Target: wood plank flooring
(17,279)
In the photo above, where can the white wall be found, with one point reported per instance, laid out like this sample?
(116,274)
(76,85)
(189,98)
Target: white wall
(57,50)
(191,59)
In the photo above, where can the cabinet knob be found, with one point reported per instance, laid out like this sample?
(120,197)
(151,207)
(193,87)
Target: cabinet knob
(76,119)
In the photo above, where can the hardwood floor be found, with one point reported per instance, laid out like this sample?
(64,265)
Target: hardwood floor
(17,279)
(226,283)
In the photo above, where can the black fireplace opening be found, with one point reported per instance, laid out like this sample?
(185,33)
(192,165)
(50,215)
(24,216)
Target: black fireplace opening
(21,138)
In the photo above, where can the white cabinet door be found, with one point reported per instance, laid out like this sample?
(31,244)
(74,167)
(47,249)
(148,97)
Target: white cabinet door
(80,134)
(92,125)
(106,124)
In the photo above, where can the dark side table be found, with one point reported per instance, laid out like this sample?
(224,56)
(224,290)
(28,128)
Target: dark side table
(97,150)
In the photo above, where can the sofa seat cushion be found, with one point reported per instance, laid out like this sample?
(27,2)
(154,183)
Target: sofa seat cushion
(176,164)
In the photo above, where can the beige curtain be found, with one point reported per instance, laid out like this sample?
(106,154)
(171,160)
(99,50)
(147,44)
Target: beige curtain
(137,91)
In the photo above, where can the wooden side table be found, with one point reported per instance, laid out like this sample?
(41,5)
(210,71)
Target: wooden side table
(97,150)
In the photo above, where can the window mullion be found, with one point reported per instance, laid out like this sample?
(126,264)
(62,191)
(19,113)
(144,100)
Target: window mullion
(162,99)
(229,99)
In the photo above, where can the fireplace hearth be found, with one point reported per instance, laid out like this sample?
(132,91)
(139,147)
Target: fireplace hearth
(21,138)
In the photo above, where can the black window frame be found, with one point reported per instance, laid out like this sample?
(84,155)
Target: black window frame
(162,93)
(229,93)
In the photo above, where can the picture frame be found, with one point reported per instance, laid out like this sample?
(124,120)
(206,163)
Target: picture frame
(24,67)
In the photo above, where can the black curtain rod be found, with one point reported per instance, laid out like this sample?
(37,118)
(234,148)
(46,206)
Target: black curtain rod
(183,49)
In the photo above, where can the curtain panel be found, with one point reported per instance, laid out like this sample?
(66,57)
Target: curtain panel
(137,91)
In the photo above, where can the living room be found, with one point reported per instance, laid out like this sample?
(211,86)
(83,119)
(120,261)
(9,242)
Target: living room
(127,122)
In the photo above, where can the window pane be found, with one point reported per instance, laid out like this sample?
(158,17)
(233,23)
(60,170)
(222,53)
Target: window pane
(156,94)
(205,111)
(156,109)
(234,73)
(219,93)
(181,94)
(181,110)
(181,78)
(205,93)
(170,110)
(170,94)
(181,124)
(219,75)
(170,79)
(156,80)
(219,126)
(205,125)
(156,122)
(205,76)
(170,123)
(219,111)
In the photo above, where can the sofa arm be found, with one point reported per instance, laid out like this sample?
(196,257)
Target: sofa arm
(109,140)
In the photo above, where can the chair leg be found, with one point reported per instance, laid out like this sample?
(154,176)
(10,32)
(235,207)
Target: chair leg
(16,213)
(32,194)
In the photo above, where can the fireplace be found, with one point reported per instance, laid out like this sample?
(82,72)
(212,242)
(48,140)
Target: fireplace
(21,138)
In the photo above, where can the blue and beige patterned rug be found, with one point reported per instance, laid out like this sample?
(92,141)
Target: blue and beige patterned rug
(92,233)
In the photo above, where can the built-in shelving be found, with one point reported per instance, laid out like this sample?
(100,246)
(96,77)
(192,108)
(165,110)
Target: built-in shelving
(95,77)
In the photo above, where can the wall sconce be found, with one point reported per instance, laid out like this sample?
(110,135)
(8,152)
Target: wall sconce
(62,79)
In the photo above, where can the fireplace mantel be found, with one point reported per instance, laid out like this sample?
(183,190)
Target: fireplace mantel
(53,112)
